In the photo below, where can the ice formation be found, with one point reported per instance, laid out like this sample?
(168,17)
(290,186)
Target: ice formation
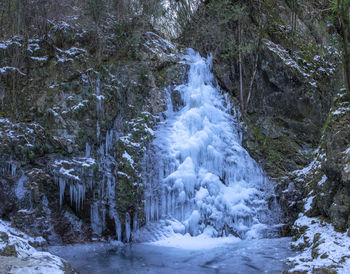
(198,174)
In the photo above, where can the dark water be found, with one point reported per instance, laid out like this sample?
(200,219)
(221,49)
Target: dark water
(253,256)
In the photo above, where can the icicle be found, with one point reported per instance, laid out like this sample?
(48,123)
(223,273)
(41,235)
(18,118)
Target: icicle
(71,194)
(109,141)
(13,169)
(118,227)
(169,203)
(127,227)
(98,132)
(62,183)
(98,217)
(152,210)
(135,223)
(157,209)
(98,90)
(77,195)
(101,150)
(87,150)
(173,203)
(163,202)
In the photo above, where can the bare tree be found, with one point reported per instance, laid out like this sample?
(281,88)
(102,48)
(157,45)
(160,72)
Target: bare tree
(343,16)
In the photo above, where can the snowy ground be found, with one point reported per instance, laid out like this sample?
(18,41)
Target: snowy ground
(323,247)
(17,254)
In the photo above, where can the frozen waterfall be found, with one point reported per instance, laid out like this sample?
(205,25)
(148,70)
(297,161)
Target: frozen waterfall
(198,177)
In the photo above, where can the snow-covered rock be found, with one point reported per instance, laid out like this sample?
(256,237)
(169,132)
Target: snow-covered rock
(17,254)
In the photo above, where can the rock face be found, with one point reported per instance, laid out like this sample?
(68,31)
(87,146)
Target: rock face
(291,75)
(7,197)
(77,107)
(329,182)
(321,230)
(335,202)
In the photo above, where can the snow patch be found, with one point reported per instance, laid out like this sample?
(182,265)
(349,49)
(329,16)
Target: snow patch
(285,57)
(5,69)
(308,203)
(323,180)
(326,247)
(40,59)
(128,158)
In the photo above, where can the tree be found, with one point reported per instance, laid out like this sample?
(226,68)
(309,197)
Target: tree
(342,11)
(96,8)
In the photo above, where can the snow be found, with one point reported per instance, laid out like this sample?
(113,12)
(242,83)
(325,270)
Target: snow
(341,111)
(123,174)
(332,246)
(99,97)
(62,25)
(323,180)
(33,46)
(63,60)
(5,69)
(74,51)
(313,83)
(321,69)
(126,140)
(77,107)
(68,173)
(285,57)
(308,203)
(26,258)
(5,44)
(54,113)
(315,164)
(40,59)
(199,242)
(85,162)
(128,158)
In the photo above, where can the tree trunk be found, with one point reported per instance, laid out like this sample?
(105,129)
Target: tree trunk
(241,95)
(250,90)
(342,13)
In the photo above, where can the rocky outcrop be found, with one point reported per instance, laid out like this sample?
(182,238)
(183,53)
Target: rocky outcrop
(327,179)
(17,254)
(77,110)
(333,196)
(321,230)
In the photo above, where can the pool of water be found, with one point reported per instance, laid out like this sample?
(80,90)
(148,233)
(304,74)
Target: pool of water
(246,256)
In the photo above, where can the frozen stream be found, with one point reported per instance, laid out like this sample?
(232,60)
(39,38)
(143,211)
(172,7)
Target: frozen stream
(243,256)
